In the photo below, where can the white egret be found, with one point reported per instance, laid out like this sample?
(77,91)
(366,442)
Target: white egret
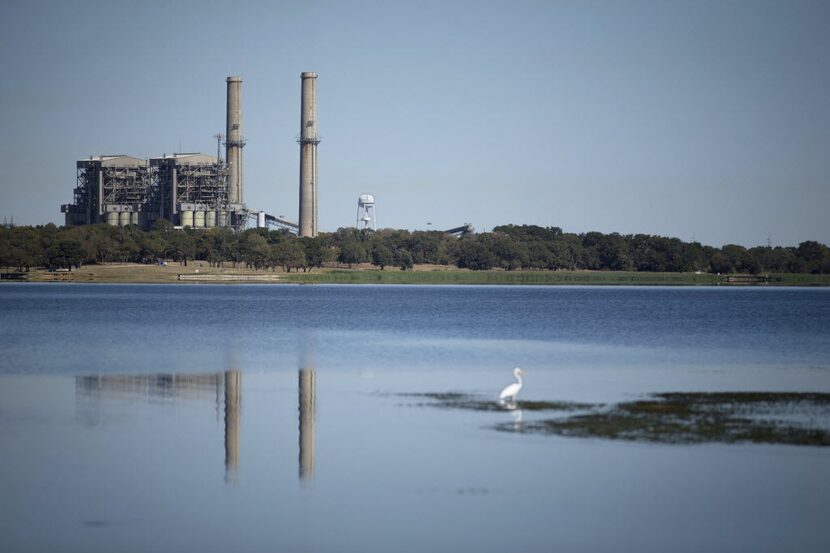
(511,391)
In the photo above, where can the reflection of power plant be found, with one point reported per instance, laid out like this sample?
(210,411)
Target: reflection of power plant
(160,388)
(308,412)
(156,386)
(233,411)
(174,387)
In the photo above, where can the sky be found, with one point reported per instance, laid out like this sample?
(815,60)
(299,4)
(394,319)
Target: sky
(702,120)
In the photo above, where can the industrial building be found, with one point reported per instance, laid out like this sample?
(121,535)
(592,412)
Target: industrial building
(188,189)
(114,189)
(192,189)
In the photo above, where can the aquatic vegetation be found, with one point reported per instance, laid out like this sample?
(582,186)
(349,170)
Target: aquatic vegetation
(460,400)
(685,418)
(670,418)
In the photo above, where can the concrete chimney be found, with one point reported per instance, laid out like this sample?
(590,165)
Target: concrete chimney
(234,141)
(308,155)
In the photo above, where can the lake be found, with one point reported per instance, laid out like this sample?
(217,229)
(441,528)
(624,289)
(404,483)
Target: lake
(301,418)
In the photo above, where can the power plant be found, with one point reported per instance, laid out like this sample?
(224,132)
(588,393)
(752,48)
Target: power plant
(193,189)
(201,191)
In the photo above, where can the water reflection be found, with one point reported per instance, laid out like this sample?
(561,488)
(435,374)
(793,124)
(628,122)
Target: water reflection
(153,386)
(233,416)
(215,387)
(515,413)
(308,412)
(172,388)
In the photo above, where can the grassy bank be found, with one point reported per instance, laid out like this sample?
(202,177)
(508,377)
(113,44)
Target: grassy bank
(337,276)
(498,277)
(150,274)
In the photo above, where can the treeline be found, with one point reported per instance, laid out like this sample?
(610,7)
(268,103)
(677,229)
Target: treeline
(508,247)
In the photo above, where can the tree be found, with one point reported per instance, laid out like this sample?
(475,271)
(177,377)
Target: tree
(316,251)
(182,247)
(256,250)
(404,259)
(288,254)
(5,248)
(164,228)
(508,246)
(26,249)
(693,257)
(538,255)
(737,258)
(816,256)
(222,240)
(156,243)
(720,263)
(470,253)
(509,254)
(65,252)
(351,251)
(424,246)
(128,250)
(381,256)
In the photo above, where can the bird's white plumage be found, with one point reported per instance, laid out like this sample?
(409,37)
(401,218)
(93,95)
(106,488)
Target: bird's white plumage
(510,392)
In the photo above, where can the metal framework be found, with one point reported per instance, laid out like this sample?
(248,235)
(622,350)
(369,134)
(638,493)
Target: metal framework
(192,190)
(182,181)
(107,184)
(122,190)
(126,186)
(85,197)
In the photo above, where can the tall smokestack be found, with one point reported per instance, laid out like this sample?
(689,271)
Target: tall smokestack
(308,155)
(234,142)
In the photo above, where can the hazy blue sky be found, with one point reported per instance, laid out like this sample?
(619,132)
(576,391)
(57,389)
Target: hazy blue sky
(705,119)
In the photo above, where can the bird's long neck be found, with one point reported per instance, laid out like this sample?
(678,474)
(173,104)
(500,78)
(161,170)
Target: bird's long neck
(519,379)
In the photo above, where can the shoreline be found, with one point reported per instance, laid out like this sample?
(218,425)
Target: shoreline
(202,273)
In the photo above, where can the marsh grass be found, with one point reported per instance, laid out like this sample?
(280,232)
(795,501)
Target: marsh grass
(471,402)
(149,274)
(668,418)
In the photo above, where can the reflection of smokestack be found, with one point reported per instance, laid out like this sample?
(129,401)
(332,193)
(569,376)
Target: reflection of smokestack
(234,142)
(308,155)
(233,404)
(308,411)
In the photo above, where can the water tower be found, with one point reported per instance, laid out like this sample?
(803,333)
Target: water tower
(366,211)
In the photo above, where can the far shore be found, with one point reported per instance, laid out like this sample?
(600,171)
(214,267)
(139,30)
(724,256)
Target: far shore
(202,272)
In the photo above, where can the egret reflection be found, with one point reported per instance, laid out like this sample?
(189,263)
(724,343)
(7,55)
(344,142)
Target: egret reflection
(517,419)
(307,413)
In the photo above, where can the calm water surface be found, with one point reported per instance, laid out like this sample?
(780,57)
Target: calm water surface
(172,418)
